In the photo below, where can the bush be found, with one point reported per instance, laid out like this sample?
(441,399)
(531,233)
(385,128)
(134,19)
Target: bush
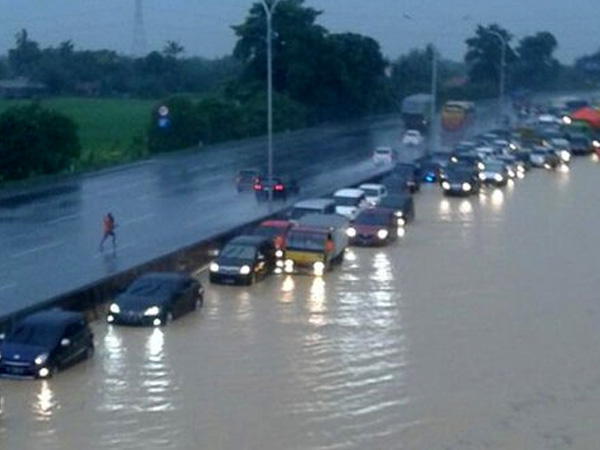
(36,141)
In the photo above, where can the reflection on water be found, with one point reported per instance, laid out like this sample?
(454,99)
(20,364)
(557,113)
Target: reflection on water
(317,302)
(497,199)
(287,289)
(45,403)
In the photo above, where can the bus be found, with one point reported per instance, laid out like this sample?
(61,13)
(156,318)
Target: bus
(457,115)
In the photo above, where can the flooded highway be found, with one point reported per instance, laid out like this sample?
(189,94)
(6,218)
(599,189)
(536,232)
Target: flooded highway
(479,330)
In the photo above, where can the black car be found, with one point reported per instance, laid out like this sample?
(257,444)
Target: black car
(431,165)
(282,188)
(471,159)
(244,260)
(402,205)
(544,157)
(396,184)
(45,342)
(156,298)
(580,144)
(246,179)
(410,173)
(460,180)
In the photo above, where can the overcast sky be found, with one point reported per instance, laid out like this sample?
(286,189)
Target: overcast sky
(203,27)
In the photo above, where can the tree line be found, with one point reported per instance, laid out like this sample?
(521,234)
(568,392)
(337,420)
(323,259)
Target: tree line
(318,76)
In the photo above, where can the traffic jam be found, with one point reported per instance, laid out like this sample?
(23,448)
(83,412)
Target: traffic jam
(311,236)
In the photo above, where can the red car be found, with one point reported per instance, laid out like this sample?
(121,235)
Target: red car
(374,226)
(276,230)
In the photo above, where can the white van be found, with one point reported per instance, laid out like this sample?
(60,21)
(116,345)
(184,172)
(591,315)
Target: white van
(349,202)
(311,206)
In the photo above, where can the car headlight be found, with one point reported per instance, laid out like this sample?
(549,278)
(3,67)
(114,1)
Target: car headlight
(401,222)
(596,143)
(351,232)
(114,308)
(466,186)
(214,267)
(152,311)
(319,268)
(279,254)
(511,173)
(399,213)
(565,155)
(245,269)
(481,176)
(480,166)
(41,359)
(498,177)
(382,234)
(445,185)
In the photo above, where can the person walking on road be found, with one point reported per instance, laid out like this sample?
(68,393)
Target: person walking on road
(108,229)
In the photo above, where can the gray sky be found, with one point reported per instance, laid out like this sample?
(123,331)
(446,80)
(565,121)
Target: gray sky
(203,26)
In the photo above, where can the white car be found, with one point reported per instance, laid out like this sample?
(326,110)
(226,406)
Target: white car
(412,137)
(374,193)
(383,156)
(349,202)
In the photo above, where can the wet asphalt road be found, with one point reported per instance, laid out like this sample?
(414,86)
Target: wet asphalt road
(49,240)
(479,330)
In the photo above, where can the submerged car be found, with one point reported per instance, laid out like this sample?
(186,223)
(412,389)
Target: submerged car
(155,299)
(246,179)
(494,173)
(277,230)
(374,192)
(430,166)
(45,342)
(544,157)
(383,156)
(244,260)
(311,206)
(410,173)
(349,202)
(402,206)
(375,226)
(460,180)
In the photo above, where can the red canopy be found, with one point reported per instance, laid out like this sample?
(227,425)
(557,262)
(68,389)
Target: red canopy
(588,115)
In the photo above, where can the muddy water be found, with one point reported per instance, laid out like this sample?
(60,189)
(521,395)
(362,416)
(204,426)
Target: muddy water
(480,330)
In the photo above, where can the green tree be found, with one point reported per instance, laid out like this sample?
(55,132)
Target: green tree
(484,54)
(537,68)
(23,59)
(180,128)
(36,141)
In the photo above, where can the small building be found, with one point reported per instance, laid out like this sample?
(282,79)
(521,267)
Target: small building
(19,88)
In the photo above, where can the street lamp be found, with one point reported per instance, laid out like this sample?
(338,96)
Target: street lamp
(433,137)
(269,7)
(502,69)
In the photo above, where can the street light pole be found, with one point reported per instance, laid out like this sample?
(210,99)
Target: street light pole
(502,72)
(432,140)
(269,7)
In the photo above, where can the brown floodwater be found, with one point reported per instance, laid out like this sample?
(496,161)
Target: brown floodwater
(479,330)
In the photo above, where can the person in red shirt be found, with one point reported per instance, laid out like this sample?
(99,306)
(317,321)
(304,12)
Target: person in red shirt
(108,229)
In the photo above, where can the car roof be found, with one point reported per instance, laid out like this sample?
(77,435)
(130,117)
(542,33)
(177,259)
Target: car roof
(349,192)
(371,186)
(59,317)
(316,203)
(165,276)
(323,220)
(248,239)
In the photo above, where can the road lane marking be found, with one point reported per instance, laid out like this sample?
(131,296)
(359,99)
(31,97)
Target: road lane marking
(39,248)
(63,219)
(138,219)
(7,286)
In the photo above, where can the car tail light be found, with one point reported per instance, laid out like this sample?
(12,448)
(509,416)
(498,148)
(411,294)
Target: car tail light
(257,187)
(279,187)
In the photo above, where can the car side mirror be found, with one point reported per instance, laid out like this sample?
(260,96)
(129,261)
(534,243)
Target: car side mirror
(65,342)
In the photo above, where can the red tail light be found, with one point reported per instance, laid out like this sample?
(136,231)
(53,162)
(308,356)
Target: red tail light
(278,187)
(257,187)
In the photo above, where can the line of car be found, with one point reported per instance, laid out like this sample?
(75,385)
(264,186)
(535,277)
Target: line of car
(310,238)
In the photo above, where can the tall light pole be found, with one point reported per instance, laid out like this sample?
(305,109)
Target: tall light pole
(433,137)
(269,7)
(502,70)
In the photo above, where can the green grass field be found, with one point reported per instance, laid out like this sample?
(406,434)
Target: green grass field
(110,130)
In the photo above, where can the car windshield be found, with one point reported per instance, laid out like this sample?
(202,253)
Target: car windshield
(346,201)
(383,151)
(237,251)
(371,192)
(494,166)
(35,334)
(458,174)
(371,219)
(306,240)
